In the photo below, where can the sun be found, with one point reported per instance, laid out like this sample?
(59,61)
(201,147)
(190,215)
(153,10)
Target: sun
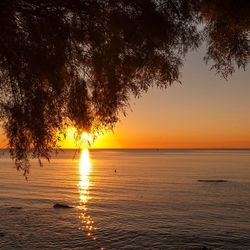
(86,138)
(75,139)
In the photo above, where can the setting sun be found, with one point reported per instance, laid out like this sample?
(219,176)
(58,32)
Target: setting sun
(86,137)
(73,140)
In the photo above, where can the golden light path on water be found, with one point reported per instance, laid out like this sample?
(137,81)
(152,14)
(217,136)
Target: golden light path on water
(84,184)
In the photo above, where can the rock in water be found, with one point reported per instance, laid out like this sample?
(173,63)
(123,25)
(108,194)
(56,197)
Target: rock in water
(59,205)
(16,208)
(212,180)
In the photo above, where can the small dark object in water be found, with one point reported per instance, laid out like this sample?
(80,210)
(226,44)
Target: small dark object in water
(192,248)
(213,180)
(58,205)
(16,208)
(198,248)
(115,170)
(2,234)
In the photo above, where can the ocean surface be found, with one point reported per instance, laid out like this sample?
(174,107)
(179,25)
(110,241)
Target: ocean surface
(128,199)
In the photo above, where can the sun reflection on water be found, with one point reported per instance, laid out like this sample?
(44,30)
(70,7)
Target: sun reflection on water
(84,184)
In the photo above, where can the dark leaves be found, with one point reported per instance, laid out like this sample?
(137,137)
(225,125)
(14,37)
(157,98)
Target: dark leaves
(78,62)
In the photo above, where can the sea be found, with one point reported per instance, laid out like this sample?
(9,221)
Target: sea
(128,199)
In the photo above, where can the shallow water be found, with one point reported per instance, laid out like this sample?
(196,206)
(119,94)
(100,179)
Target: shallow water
(152,201)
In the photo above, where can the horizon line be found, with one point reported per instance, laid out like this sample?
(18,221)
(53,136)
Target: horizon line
(153,148)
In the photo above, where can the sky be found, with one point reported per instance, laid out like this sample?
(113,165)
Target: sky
(205,111)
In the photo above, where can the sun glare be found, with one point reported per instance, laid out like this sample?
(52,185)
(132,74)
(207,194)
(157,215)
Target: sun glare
(87,137)
(84,184)
(86,140)
(85,165)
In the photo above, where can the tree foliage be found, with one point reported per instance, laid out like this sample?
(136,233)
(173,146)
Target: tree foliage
(77,62)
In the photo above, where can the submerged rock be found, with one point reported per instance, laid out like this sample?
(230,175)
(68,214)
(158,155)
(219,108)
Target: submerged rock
(198,248)
(201,248)
(59,205)
(16,208)
(212,180)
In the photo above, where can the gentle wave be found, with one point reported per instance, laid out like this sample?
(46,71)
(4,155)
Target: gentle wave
(128,199)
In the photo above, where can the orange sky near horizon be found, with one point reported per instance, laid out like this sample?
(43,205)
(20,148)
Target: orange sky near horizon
(205,111)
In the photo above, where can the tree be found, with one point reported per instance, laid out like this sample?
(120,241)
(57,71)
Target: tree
(77,62)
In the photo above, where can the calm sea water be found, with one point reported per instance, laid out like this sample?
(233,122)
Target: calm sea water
(128,199)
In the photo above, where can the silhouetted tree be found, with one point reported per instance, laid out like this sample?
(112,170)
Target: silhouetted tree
(227,32)
(77,62)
